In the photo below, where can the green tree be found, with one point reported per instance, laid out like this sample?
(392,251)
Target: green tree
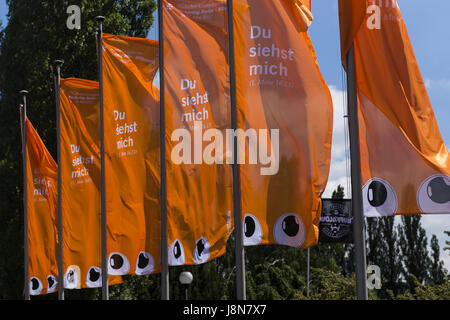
(373,232)
(35,36)
(447,243)
(338,193)
(328,285)
(418,291)
(437,273)
(391,258)
(413,244)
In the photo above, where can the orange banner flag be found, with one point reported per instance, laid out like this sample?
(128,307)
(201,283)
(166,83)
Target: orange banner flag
(285,108)
(405,163)
(42,204)
(80,177)
(197,105)
(131,108)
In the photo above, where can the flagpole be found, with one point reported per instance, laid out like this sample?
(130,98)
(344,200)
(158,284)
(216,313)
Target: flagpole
(25,196)
(57,77)
(104,252)
(238,225)
(163,195)
(357,206)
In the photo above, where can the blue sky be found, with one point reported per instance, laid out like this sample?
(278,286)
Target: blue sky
(428,29)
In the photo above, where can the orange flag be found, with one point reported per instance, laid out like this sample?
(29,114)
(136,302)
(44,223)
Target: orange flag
(285,108)
(405,163)
(42,203)
(131,108)
(197,105)
(80,176)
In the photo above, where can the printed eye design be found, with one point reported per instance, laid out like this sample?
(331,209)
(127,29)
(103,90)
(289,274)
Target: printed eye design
(379,198)
(35,286)
(176,254)
(118,264)
(201,252)
(52,283)
(145,263)
(252,230)
(72,277)
(94,277)
(289,230)
(433,195)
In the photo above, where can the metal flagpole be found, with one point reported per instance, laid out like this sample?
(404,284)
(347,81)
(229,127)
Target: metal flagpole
(25,195)
(163,194)
(357,206)
(238,225)
(57,66)
(104,252)
(57,69)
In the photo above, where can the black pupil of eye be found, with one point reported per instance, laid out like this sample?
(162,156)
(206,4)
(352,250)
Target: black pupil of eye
(377,194)
(249,227)
(200,247)
(177,250)
(290,226)
(116,261)
(34,284)
(94,275)
(438,190)
(143,261)
(51,282)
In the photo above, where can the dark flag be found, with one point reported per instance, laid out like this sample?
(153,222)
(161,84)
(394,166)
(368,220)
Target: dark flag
(336,221)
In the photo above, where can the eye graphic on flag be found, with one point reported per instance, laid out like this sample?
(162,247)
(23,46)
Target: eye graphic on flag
(118,264)
(201,253)
(252,230)
(145,263)
(94,279)
(72,278)
(35,286)
(176,254)
(379,198)
(433,195)
(289,230)
(52,282)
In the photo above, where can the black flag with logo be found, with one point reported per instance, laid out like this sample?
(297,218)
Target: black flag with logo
(336,221)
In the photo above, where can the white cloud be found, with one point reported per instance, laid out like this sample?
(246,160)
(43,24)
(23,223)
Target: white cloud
(339,160)
(437,84)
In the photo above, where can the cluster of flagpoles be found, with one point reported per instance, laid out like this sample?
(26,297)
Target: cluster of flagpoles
(359,232)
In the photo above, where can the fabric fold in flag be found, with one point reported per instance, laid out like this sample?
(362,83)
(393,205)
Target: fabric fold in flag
(404,162)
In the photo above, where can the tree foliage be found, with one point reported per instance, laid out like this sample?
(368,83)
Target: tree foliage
(413,244)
